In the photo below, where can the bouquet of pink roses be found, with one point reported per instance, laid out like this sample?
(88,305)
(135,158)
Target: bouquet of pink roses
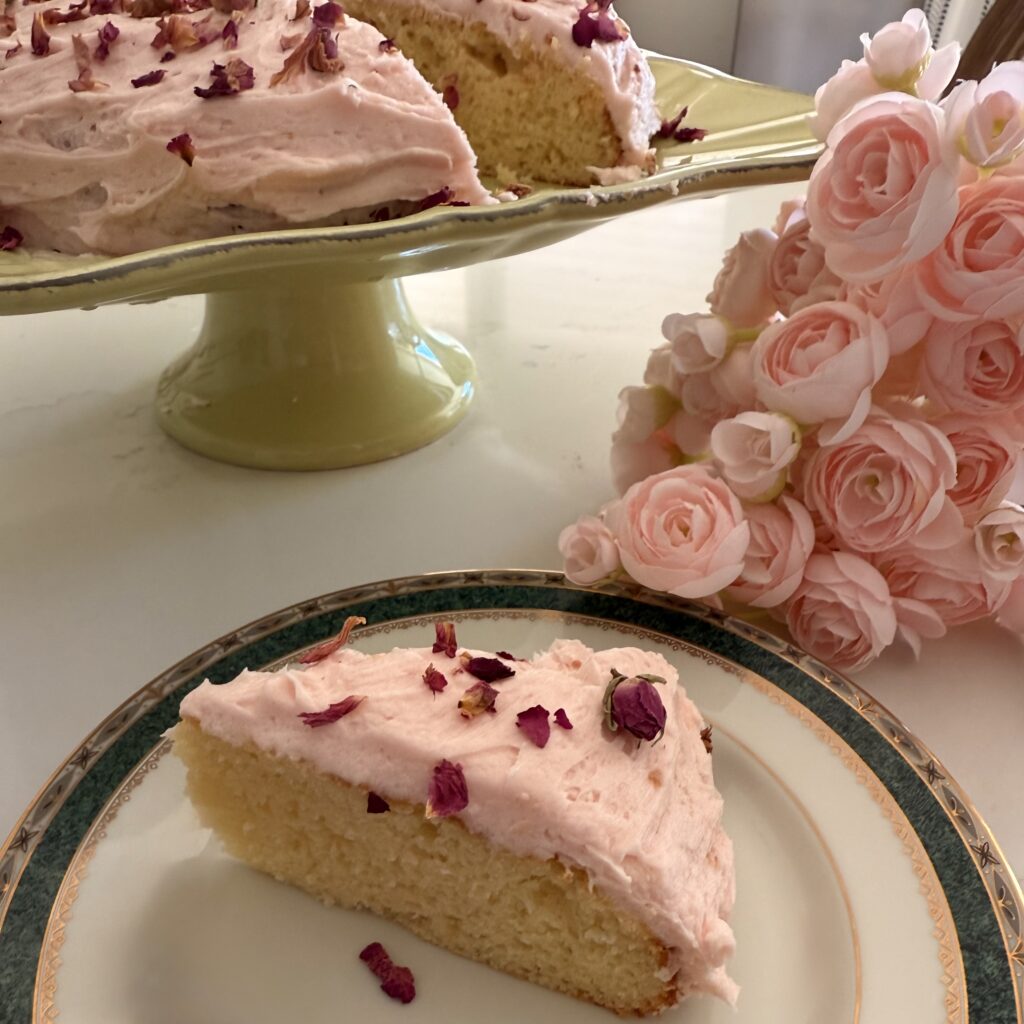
(834,441)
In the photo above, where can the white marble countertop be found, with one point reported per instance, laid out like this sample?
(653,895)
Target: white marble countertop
(120,552)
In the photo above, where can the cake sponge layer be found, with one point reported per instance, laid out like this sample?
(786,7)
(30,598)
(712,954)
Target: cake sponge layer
(535,919)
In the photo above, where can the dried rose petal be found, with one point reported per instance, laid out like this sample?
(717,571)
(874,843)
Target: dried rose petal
(450,95)
(40,37)
(562,719)
(168,56)
(439,198)
(435,680)
(518,190)
(333,712)
(448,793)
(103,6)
(488,669)
(596,24)
(328,647)
(317,50)
(177,32)
(106,35)
(668,128)
(10,239)
(396,982)
(228,80)
(181,145)
(150,78)
(506,655)
(387,46)
(535,725)
(689,134)
(76,12)
(376,804)
(705,735)
(328,15)
(230,34)
(444,639)
(480,697)
(633,704)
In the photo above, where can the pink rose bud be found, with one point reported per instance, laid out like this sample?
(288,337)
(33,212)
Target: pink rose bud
(797,273)
(781,541)
(588,551)
(634,705)
(986,118)
(741,292)
(884,193)
(753,451)
(852,83)
(698,343)
(999,541)
(660,373)
(642,411)
(821,364)
(682,531)
(986,459)
(901,57)
(842,611)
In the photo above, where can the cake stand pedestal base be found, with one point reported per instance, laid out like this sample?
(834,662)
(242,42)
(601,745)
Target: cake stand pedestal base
(298,372)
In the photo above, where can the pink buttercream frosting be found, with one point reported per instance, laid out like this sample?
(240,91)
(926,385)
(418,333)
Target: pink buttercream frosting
(90,170)
(643,820)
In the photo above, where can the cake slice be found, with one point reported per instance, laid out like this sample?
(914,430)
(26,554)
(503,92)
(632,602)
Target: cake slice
(131,124)
(549,90)
(535,820)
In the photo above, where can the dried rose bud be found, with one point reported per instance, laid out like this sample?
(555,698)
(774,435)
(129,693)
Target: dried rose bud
(228,80)
(596,24)
(328,647)
(444,639)
(150,78)
(705,735)
(633,704)
(323,54)
(490,670)
(434,680)
(181,145)
(10,239)
(448,793)
(396,982)
(332,713)
(328,15)
(39,36)
(562,719)
(535,725)
(106,36)
(376,804)
(480,697)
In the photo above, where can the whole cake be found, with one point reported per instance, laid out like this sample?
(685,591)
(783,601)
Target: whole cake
(581,779)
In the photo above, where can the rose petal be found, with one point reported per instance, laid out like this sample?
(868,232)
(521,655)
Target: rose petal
(448,793)
(562,719)
(333,712)
(488,669)
(376,804)
(535,725)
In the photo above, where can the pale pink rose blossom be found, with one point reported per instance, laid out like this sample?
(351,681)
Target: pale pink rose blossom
(733,380)
(842,611)
(682,532)
(754,450)
(698,342)
(690,434)
(797,274)
(790,211)
(987,454)
(709,398)
(741,292)
(821,364)
(1011,613)
(917,621)
(588,550)
(659,372)
(948,580)
(974,366)
(642,411)
(781,541)
(884,193)
(885,486)
(851,84)
(895,302)
(986,118)
(999,541)
(901,57)
(632,461)
(978,270)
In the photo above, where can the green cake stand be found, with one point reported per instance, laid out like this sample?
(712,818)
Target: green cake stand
(309,356)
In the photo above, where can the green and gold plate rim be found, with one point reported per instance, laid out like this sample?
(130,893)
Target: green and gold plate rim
(984,898)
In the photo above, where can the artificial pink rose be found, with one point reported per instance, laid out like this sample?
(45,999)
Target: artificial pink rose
(884,193)
(659,372)
(781,541)
(632,461)
(885,486)
(917,621)
(986,459)
(821,364)
(948,580)
(682,532)
(697,342)
(999,542)
(588,550)
(987,118)
(978,271)
(753,451)
(797,273)
(690,434)
(741,292)
(642,411)
(974,366)
(1011,612)
(851,84)
(901,57)
(842,611)
(895,302)
(733,381)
